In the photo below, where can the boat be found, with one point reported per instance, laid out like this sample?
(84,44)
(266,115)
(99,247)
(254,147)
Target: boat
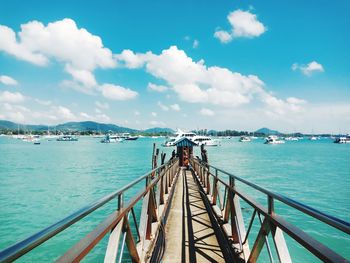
(204,140)
(291,138)
(198,139)
(343,139)
(67,138)
(131,138)
(273,139)
(313,138)
(37,143)
(111,139)
(244,139)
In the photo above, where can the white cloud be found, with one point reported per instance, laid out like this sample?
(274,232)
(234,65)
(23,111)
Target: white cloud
(7,80)
(244,24)
(194,82)
(130,59)
(136,113)
(206,112)
(223,36)
(102,105)
(11,97)
(115,92)
(154,114)
(162,106)
(158,88)
(80,51)
(195,43)
(175,107)
(308,69)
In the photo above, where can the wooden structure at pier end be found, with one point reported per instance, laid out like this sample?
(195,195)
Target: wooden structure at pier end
(187,210)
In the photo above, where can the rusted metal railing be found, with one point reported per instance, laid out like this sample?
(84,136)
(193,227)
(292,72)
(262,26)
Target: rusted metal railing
(155,194)
(227,209)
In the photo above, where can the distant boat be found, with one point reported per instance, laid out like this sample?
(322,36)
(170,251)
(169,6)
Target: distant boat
(37,143)
(342,140)
(291,138)
(272,139)
(198,139)
(131,138)
(111,139)
(67,138)
(244,139)
(313,138)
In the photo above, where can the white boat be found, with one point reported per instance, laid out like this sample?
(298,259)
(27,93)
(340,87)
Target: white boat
(244,139)
(313,138)
(273,139)
(204,140)
(67,138)
(112,139)
(31,138)
(342,140)
(291,138)
(198,139)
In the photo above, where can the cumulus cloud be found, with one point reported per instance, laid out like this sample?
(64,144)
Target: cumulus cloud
(154,114)
(80,51)
(195,82)
(243,24)
(7,80)
(11,97)
(206,112)
(308,69)
(43,102)
(157,88)
(136,113)
(115,92)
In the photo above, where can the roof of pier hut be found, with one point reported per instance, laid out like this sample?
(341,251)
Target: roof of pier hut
(185,142)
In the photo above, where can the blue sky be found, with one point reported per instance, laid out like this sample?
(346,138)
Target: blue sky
(187,64)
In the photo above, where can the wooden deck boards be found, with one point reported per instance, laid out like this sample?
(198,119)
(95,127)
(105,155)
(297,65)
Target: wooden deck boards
(189,233)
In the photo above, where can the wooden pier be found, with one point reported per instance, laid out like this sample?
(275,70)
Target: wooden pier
(190,212)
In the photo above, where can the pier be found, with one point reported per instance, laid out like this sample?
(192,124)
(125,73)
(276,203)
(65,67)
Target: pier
(190,211)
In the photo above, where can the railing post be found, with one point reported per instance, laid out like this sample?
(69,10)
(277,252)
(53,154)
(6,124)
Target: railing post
(270,202)
(120,201)
(208,181)
(215,188)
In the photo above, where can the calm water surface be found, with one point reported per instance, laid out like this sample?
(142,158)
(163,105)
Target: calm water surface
(40,184)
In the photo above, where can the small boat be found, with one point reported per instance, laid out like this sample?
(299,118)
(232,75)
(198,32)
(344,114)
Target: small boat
(272,139)
(313,138)
(67,138)
(204,140)
(37,143)
(342,140)
(198,139)
(131,138)
(111,139)
(291,139)
(245,139)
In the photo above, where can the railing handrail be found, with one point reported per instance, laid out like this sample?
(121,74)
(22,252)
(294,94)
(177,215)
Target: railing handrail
(340,224)
(14,251)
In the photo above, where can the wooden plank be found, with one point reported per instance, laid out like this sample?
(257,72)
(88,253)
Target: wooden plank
(280,244)
(113,243)
(130,242)
(260,241)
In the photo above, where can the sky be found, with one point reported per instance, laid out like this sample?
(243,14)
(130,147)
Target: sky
(180,64)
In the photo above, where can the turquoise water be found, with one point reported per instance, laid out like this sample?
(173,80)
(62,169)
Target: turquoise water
(43,183)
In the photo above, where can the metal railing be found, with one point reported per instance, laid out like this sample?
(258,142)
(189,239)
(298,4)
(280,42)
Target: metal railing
(155,195)
(228,210)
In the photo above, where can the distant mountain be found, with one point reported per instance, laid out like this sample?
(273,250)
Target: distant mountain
(93,126)
(159,130)
(267,131)
(69,126)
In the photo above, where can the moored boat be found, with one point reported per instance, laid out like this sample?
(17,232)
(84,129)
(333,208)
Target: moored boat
(273,139)
(244,139)
(67,138)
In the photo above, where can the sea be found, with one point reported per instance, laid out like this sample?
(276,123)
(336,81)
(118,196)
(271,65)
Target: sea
(41,184)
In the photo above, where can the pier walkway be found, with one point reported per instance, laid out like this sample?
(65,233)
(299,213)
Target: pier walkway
(189,231)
